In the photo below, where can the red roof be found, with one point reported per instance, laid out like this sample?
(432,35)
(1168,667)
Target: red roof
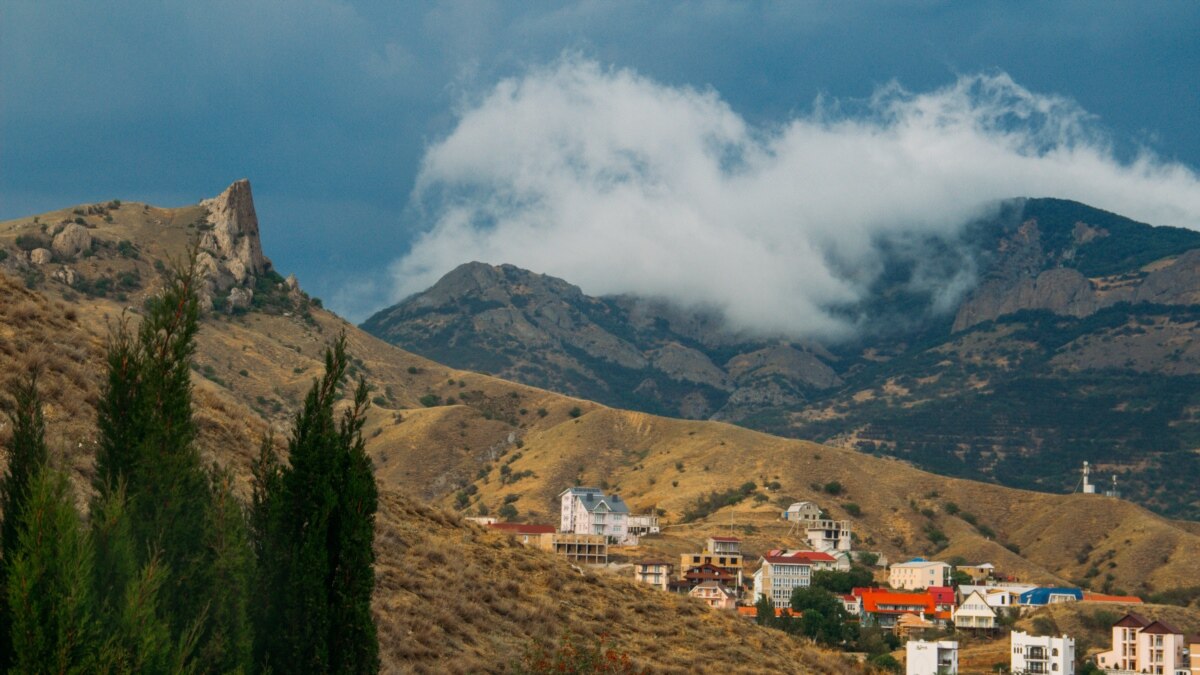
(942,595)
(898,603)
(522,528)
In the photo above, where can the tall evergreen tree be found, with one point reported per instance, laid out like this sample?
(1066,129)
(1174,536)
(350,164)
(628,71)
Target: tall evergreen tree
(26,455)
(50,580)
(147,444)
(137,636)
(315,517)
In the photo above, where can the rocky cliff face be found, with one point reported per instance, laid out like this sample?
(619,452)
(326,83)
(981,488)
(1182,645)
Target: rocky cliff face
(1076,269)
(231,257)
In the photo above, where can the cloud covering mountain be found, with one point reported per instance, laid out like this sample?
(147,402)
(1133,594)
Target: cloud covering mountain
(622,184)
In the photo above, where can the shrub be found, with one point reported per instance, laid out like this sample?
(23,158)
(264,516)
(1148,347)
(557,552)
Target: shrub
(575,412)
(430,400)
(413,370)
(507,512)
(28,242)
(833,487)
(853,509)
(951,508)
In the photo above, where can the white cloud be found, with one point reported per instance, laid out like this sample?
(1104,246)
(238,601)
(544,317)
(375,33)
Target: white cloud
(624,185)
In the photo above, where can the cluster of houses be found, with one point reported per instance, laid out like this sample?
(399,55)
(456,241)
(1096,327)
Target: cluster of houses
(1027,654)
(919,597)
(1139,646)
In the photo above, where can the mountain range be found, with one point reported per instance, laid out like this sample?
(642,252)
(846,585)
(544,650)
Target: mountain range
(1074,342)
(447,442)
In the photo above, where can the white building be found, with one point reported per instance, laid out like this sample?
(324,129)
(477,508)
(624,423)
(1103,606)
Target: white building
(1144,646)
(919,573)
(642,525)
(802,512)
(588,510)
(828,535)
(933,657)
(1032,654)
(781,571)
(974,612)
(997,596)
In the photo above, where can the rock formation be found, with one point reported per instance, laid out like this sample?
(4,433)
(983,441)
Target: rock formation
(72,241)
(231,257)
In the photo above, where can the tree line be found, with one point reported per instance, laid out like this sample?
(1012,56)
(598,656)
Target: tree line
(170,572)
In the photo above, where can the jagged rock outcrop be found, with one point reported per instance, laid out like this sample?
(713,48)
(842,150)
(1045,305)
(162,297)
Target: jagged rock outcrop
(1027,276)
(231,254)
(72,241)
(785,361)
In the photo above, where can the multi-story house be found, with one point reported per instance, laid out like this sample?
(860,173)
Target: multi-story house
(919,573)
(657,573)
(975,613)
(587,510)
(781,571)
(715,595)
(721,552)
(932,657)
(1032,654)
(828,535)
(882,606)
(586,549)
(1140,645)
(642,525)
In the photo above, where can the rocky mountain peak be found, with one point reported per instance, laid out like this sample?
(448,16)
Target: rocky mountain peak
(231,256)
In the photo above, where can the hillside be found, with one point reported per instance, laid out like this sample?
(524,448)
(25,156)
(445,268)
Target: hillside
(436,432)
(1076,343)
(450,597)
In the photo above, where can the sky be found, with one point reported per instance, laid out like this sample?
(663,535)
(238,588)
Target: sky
(646,147)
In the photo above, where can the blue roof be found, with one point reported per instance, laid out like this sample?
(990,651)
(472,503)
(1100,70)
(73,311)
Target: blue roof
(1041,596)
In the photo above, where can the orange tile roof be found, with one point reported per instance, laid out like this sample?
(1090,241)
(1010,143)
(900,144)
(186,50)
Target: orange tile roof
(913,602)
(1100,597)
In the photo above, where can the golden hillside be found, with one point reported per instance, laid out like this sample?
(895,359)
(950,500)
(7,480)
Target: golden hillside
(450,596)
(253,368)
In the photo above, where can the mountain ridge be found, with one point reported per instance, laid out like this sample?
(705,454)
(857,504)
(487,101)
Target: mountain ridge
(1034,320)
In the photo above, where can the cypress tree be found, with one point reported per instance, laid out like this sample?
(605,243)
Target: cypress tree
(315,518)
(137,632)
(49,586)
(195,534)
(26,455)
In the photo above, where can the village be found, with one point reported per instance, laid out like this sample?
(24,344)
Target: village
(921,606)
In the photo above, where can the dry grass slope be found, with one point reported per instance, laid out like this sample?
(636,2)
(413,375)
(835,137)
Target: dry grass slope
(451,597)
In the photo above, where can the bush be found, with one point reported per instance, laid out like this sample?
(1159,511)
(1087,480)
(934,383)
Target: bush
(430,400)
(853,509)
(986,531)
(951,508)
(867,558)
(575,412)
(706,504)
(833,488)
(28,242)
(507,512)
